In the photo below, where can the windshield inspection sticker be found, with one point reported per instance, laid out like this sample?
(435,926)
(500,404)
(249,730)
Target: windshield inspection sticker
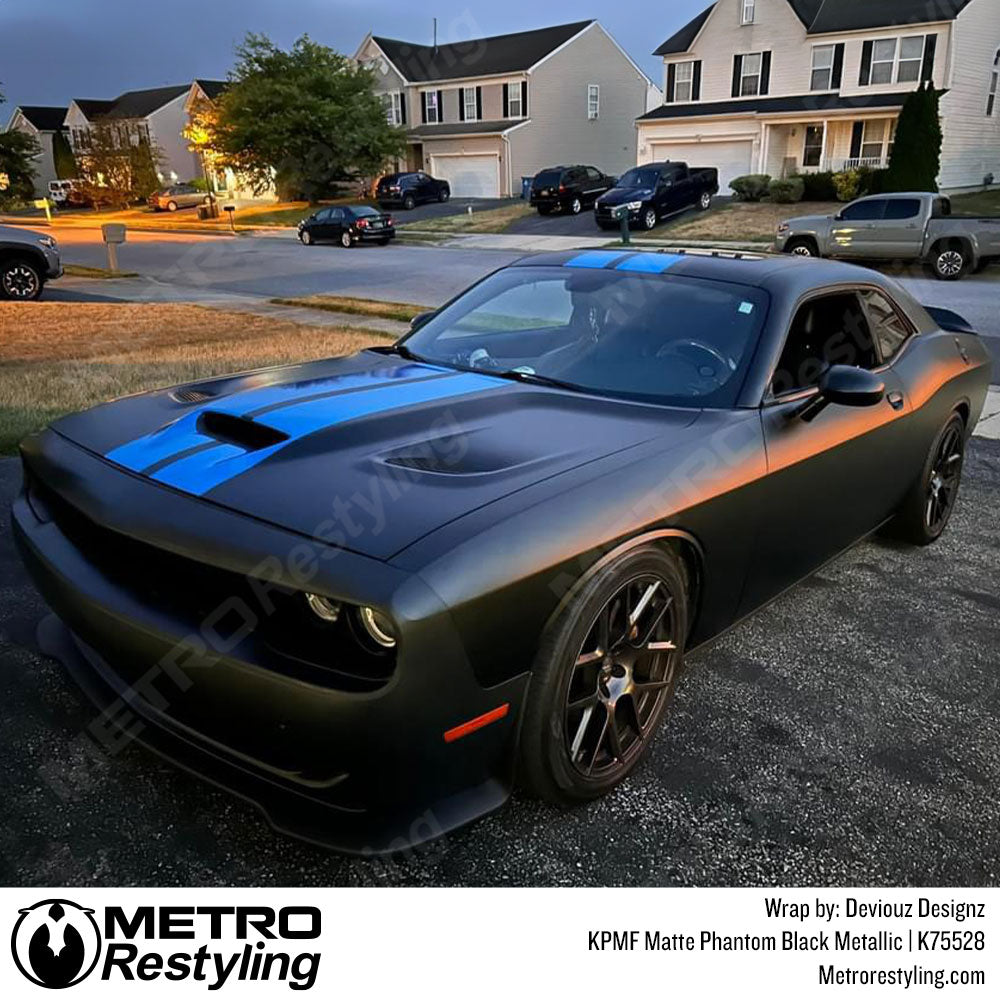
(746,308)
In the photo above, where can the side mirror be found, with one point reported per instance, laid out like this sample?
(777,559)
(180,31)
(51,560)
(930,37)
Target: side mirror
(845,386)
(420,319)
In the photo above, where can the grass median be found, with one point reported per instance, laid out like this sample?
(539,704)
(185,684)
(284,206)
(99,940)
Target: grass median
(401,311)
(56,358)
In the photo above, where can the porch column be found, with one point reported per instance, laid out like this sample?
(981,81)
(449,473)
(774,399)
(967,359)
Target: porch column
(822,156)
(764,142)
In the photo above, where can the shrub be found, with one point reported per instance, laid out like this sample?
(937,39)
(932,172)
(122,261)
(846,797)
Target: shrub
(819,187)
(787,191)
(847,184)
(916,153)
(750,187)
(872,181)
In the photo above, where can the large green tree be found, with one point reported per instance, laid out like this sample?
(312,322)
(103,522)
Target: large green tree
(916,152)
(118,166)
(17,166)
(302,119)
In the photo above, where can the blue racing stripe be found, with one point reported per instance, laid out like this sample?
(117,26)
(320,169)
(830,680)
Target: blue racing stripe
(650,263)
(182,435)
(594,258)
(205,470)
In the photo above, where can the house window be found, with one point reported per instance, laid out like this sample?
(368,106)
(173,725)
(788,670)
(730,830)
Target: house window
(514,109)
(822,70)
(684,81)
(911,58)
(393,107)
(812,154)
(81,138)
(471,106)
(874,139)
(883,60)
(747,11)
(431,103)
(991,100)
(750,79)
(593,101)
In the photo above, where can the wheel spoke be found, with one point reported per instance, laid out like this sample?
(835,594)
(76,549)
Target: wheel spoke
(644,687)
(636,722)
(647,638)
(643,603)
(581,732)
(599,743)
(585,659)
(614,739)
(587,701)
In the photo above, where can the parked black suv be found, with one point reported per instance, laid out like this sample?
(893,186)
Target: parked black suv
(568,188)
(656,190)
(409,190)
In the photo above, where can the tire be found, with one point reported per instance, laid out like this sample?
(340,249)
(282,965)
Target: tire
(649,219)
(544,210)
(384,243)
(705,201)
(409,203)
(575,206)
(171,206)
(306,238)
(928,506)
(345,240)
(444,195)
(20,280)
(558,742)
(949,262)
(802,246)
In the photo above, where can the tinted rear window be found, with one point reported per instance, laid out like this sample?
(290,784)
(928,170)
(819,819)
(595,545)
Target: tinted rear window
(547,177)
(902,208)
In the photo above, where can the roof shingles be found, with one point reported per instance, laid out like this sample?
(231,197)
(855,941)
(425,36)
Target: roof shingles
(44,118)
(133,103)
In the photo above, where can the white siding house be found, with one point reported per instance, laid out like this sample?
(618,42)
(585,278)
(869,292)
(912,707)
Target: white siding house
(784,86)
(43,124)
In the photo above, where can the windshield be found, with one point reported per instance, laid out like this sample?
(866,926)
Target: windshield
(639,177)
(652,337)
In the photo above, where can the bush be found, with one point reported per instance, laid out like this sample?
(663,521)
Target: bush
(847,184)
(916,153)
(787,191)
(819,187)
(872,181)
(751,187)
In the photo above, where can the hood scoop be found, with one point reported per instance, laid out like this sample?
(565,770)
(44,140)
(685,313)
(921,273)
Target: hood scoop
(240,431)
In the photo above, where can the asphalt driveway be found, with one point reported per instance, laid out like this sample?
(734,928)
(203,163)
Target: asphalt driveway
(845,735)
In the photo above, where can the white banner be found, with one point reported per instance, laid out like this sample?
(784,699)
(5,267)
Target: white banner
(498,942)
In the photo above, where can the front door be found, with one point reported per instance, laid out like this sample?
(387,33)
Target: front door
(813,146)
(415,156)
(855,231)
(834,478)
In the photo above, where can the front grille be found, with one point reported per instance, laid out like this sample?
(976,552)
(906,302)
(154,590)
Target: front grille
(286,637)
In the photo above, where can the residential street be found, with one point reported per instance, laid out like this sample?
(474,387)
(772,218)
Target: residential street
(280,266)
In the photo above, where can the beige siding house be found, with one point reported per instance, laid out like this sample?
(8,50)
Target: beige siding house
(43,124)
(484,113)
(784,86)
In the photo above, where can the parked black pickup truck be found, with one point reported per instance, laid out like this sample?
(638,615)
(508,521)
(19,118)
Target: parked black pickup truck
(656,190)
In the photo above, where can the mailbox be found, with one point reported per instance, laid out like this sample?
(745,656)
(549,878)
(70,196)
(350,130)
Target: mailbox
(114,232)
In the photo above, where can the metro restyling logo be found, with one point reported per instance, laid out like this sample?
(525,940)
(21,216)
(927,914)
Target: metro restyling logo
(57,943)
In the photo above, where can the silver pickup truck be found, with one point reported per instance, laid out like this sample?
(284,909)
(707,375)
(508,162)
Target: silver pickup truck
(909,226)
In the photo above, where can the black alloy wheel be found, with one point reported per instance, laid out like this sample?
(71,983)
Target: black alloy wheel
(20,281)
(409,203)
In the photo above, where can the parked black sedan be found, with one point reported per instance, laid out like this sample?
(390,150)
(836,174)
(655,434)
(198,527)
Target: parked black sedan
(568,189)
(370,593)
(410,189)
(348,225)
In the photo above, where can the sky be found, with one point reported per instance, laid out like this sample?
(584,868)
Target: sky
(57,50)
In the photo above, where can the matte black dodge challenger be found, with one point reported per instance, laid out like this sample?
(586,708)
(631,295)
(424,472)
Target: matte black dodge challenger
(369,594)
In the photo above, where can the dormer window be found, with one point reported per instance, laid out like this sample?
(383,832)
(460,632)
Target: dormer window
(747,11)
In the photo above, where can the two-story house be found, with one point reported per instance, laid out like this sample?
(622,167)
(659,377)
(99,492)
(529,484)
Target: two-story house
(483,113)
(784,86)
(156,115)
(43,124)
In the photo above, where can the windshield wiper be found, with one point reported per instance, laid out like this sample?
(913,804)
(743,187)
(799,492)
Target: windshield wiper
(533,378)
(400,350)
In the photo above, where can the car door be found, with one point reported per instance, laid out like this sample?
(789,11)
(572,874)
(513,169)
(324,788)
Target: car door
(595,184)
(833,476)
(854,232)
(320,225)
(340,219)
(424,190)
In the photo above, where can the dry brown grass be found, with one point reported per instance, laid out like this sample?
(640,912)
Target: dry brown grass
(401,311)
(59,357)
(490,220)
(745,221)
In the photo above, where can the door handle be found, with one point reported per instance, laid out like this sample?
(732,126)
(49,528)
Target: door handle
(895,400)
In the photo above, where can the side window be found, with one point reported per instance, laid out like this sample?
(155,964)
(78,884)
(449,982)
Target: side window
(827,330)
(864,211)
(336,214)
(324,215)
(890,328)
(902,208)
(593,174)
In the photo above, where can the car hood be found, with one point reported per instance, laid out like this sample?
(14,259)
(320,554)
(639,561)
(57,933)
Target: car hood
(621,196)
(810,222)
(369,452)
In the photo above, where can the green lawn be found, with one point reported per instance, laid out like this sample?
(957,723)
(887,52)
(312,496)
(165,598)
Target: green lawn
(977,203)
(490,220)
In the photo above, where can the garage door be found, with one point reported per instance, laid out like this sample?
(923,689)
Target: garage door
(732,159)
(469,176)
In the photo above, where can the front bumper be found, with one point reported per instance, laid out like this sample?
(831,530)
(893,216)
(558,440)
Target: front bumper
(54,262)
(365,772)
(607,215)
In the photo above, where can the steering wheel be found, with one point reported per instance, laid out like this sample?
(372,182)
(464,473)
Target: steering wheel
(684,348)
(478,357)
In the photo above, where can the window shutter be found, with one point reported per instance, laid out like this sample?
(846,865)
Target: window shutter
(765,72)
(696,81)
(506,100)
(866,64)
(856,137)
(440,105)
(479,103)
(837,77)
(403,98)
(423,106)
(737,74)
(524,98)
(671,81)
(461,104)
(930,48)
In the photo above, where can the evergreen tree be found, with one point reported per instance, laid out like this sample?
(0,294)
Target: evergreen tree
(916,152)
(62,154)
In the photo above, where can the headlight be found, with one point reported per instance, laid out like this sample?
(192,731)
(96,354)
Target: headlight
(634,206)
(323,607)
(47,241)
(378,626)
